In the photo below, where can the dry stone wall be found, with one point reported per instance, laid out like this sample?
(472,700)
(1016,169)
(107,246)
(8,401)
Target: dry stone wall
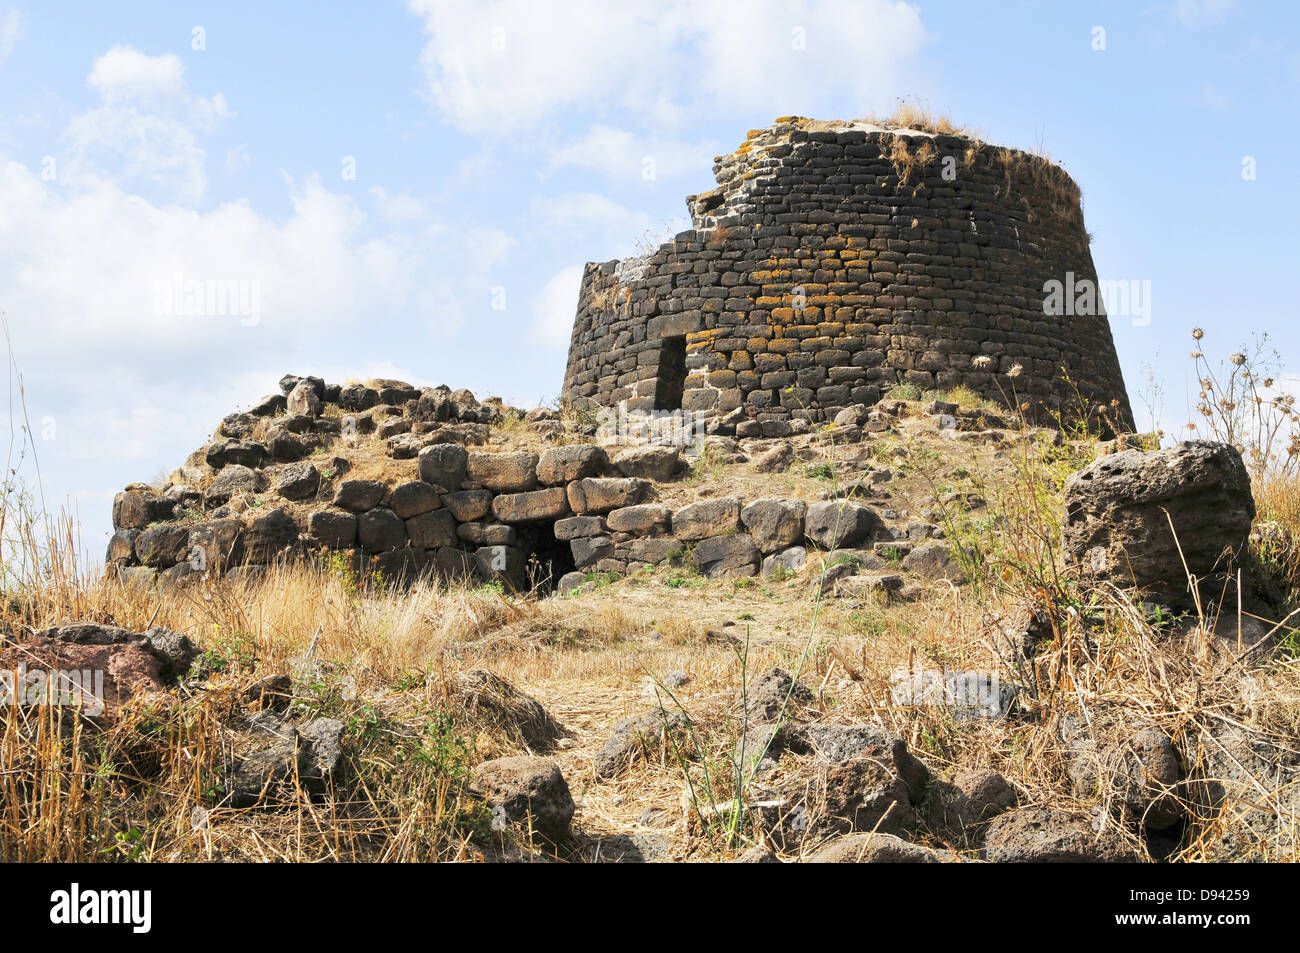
(835,260)
(453,499)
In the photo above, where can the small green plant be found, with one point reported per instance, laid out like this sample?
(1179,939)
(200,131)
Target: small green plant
(443,749)
(820,471)
(127,845)
(232,653)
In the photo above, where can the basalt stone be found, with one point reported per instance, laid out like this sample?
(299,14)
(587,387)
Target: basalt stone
(934,561)
(529,791)
(786,562)
(412,499)
(269,536)
(840,523)
(304,399)
(512,472)
(162,546)
(589,550)
(359,495)
(774,524)
(576,527)
(454,565)
(1037,835)
(332,529)
(392,427)
(660,550)
(298,423)
(396,392)
(502,563)
(535,506)
(285,447)
(299,481)
(216,545)
(487,534)
(237,426)
(223,453)
(649,463)
(468,505)
(405,564)
(135,509)
(121,547)
(444,465)
(645,519)
(232,481)
(435,406)
(290,381)
(560,465)
(597,495)
(873,848)
(380,530)
(432,530)
(734,555)
(183,496)
(707,518)
(357,397)
(1119,510)
(268,406)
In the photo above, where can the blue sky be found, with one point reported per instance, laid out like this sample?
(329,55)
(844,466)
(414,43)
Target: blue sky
(496,146)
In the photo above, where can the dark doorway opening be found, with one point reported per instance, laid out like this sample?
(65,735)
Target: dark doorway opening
(672,373)
(547,558)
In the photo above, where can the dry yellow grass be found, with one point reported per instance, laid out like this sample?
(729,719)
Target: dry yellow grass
(388,663)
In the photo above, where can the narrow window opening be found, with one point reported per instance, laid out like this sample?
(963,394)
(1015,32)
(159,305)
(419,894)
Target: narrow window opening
(672,373)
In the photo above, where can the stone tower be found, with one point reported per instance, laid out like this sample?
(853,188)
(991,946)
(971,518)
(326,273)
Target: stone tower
(838,259)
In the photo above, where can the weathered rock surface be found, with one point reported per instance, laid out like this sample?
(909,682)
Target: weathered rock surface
(527,790)
(873,848)
(1044,836)
(838,524)
(1116,527)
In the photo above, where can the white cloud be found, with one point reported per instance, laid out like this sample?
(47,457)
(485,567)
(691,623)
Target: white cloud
(615,229)
(124,74)
(1201,13)
(133,388)
(400,207)
(147,127)
(588,211)
(501,66)
(626,157)
(11,30)
(553,309)
(237,159)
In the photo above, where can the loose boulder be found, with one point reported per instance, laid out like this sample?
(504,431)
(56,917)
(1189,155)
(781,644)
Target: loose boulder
(526,790)
(1040,835)
(1119,509)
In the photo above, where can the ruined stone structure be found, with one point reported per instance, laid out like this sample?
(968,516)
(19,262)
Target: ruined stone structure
(836,259)
(453,500)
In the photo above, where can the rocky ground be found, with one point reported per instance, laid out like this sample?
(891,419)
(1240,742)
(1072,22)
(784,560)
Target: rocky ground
(378,622)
